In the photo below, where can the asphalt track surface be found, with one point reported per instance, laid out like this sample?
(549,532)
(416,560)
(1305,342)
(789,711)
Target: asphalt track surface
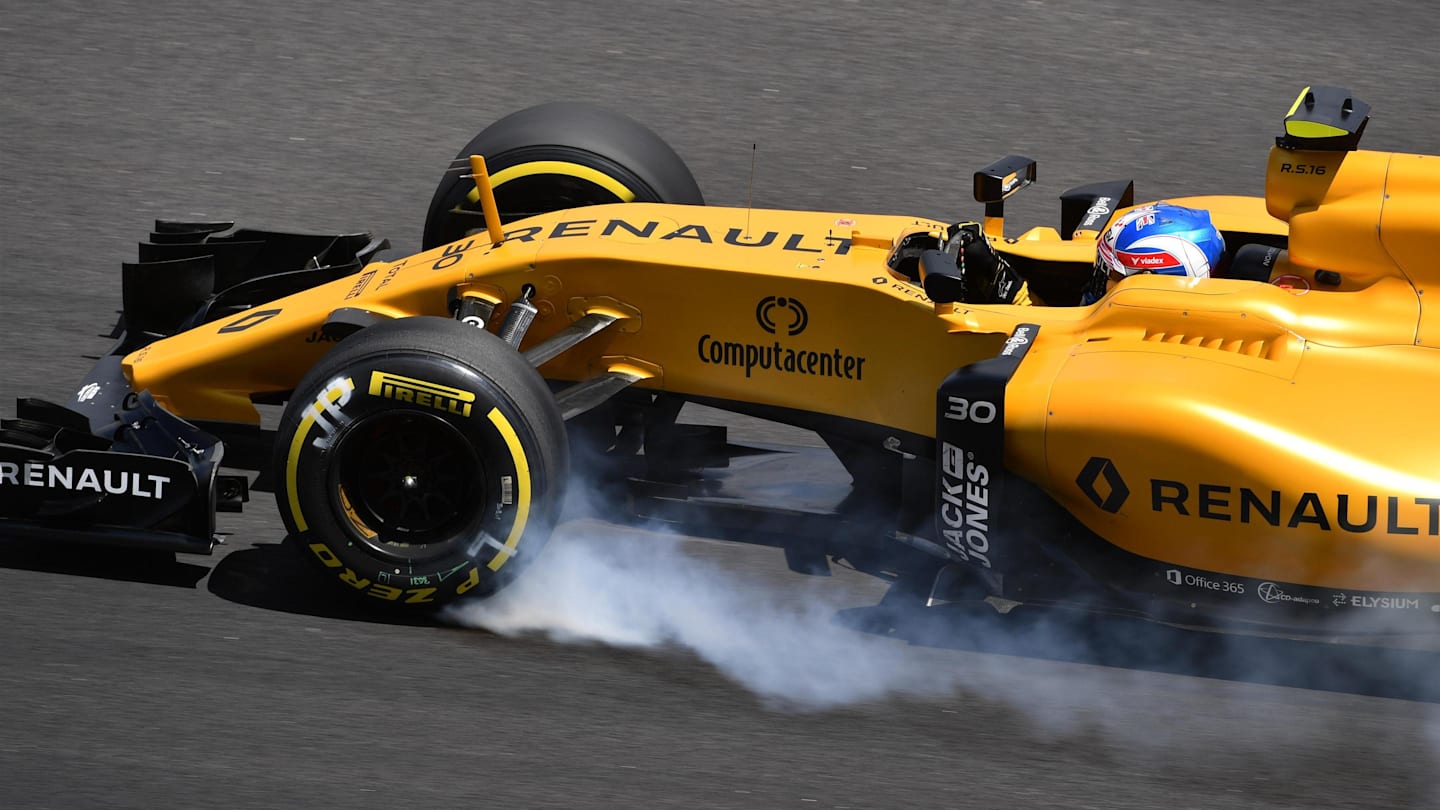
(235,681)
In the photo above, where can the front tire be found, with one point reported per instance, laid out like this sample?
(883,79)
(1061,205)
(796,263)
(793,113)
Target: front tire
(420,462)
(558,156)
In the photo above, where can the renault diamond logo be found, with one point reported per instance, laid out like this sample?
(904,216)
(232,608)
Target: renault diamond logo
(1101,483)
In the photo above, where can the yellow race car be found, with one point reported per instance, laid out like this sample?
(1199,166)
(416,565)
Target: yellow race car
(1248,448)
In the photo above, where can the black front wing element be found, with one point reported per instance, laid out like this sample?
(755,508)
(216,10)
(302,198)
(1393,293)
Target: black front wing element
(114,467)
(191,273)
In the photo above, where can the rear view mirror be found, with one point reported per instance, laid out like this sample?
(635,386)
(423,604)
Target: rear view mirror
(1002,178)
(996,182)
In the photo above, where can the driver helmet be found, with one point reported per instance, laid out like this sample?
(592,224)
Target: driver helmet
(1162,238)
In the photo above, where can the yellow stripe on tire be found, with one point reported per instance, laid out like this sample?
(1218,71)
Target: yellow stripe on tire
(522,486)
(562,167)
(292,466)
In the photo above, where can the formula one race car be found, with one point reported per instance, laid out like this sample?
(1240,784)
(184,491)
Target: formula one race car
(1184,449)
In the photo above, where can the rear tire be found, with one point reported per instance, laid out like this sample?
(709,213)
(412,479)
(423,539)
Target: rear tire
(421,461)
(558,156)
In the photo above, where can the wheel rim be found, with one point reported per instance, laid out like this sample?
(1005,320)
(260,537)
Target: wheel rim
(408,485)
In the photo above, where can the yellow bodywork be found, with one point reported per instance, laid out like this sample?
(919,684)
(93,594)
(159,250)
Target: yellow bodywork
(1263,431)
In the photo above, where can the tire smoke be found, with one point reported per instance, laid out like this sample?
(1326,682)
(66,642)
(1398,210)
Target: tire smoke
(635,589)
(814,643)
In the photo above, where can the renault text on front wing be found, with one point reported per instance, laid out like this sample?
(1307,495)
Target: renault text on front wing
(42,475)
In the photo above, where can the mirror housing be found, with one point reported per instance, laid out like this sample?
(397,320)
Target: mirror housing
(998,181)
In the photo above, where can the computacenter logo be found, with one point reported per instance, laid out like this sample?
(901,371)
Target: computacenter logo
(782,317)
(765,314)
(1102,484)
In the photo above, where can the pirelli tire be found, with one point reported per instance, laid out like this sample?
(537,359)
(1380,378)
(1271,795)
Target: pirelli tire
(558,156)
(422,461)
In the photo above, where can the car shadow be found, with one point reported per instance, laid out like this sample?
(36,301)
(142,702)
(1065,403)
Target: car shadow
(100,562)
(273,576)
(1395,667)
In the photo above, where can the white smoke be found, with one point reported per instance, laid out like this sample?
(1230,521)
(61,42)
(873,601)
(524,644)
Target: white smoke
(638,589)
(776,634)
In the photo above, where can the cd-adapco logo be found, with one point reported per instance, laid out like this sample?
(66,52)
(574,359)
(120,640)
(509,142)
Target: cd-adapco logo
(1271,594)
(765,315)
